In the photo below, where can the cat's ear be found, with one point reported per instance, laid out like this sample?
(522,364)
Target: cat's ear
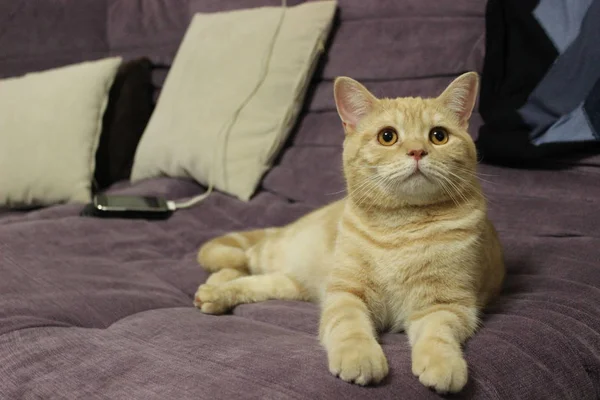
(460,96)
(353,101)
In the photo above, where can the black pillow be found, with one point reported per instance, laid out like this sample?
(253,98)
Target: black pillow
(540,88)
(130,105)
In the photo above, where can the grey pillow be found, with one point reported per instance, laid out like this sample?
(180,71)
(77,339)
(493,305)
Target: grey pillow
(209,124)
(50,123)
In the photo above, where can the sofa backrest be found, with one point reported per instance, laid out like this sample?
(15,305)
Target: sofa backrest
(395,47)
(384,41)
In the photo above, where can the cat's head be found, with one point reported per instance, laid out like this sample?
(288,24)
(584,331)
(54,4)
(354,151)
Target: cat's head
(408,150)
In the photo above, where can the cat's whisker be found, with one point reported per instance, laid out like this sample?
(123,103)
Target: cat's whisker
(382,184)
(334,193)
(449,192)
(364,182)
(379,196)
(487,181)
(461,179)
(438,178)
(455,188)
(401,171)
(458,191)
(362,191)
(360,195)
(473,173)
(482,174)
(471,185)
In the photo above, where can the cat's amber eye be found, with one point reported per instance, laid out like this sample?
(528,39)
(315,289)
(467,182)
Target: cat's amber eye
(438,136)
(387,136)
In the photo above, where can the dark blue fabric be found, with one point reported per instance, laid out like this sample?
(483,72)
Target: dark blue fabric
(592,109)
(569,79)
(541,63)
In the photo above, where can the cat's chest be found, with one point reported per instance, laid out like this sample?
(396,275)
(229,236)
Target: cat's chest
(398,275)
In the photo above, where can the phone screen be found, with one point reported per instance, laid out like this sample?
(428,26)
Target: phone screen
(131,202)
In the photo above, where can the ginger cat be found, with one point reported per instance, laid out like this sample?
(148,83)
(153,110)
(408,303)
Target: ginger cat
(410,248)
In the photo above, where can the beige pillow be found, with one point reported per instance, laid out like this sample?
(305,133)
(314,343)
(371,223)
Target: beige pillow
(217,67)
(50,123)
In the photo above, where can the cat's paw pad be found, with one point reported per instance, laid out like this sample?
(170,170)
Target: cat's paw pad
(210,300)
(358,360)
(440,367)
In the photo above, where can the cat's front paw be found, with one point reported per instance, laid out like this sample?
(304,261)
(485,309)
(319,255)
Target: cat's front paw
(439,366)
(358,360)
(210,300)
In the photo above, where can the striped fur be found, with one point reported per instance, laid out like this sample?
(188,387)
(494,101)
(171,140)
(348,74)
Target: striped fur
(404,251)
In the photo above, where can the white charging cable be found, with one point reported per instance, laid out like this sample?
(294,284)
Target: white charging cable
(177,205)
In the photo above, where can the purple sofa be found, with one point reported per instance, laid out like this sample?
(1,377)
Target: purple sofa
(102,309)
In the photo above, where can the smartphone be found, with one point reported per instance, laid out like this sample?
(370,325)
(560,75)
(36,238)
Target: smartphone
(114,206)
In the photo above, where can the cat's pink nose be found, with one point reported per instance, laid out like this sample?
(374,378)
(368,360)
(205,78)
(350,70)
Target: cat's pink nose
(417,154)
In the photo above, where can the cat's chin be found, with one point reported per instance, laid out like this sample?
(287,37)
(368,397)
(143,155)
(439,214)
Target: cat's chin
(417,174)
(418,189)
(416,181)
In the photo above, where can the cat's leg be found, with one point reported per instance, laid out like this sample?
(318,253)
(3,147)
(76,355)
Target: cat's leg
(219,278)
(348,334)
(436,334)
(218,299)
(225,275)
(230,251)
